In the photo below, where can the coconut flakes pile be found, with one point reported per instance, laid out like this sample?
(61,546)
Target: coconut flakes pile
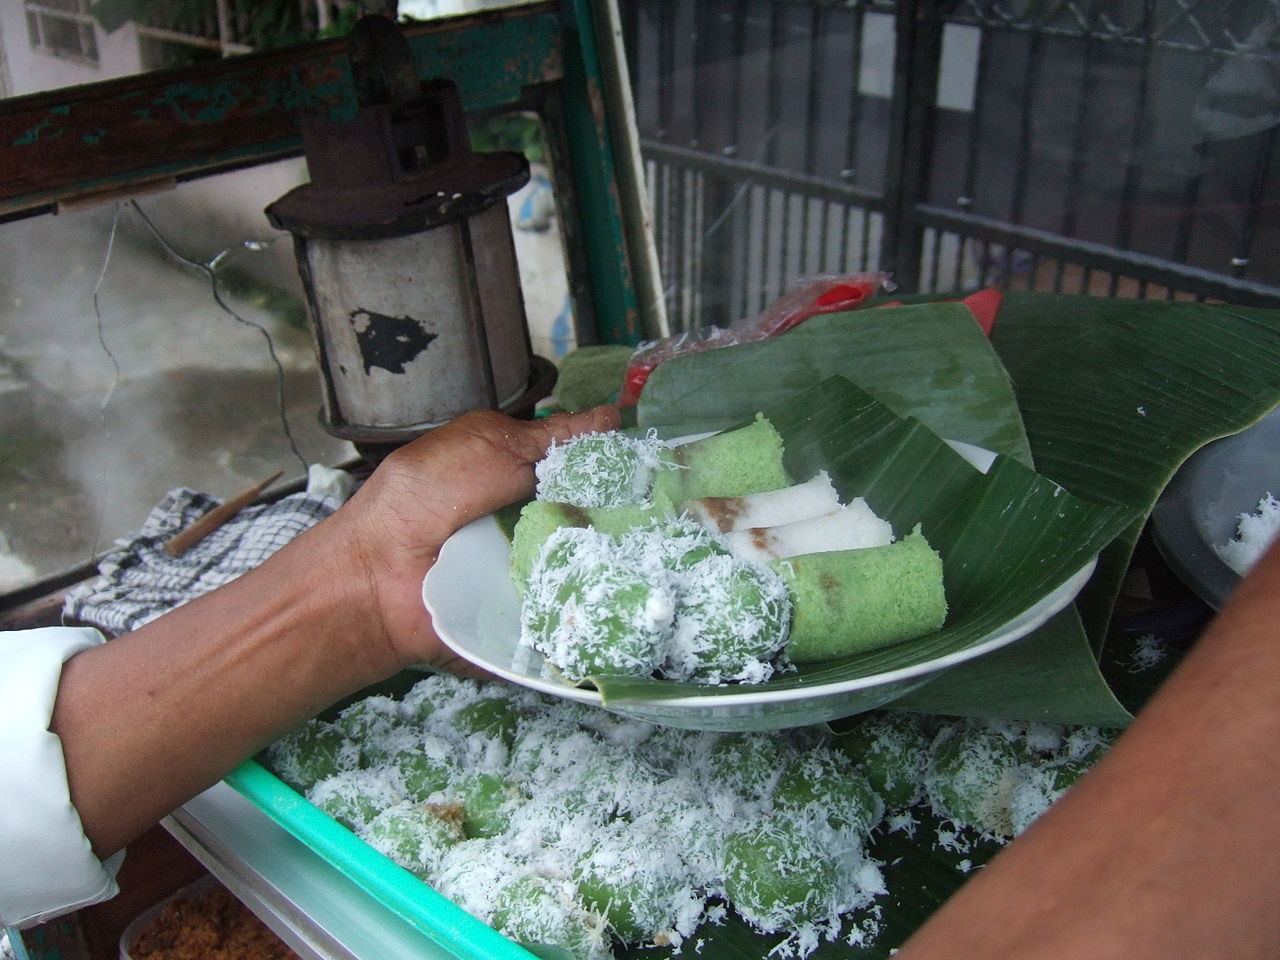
(538,802)
(1255,532)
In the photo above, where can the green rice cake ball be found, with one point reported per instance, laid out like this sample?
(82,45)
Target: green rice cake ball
(892,752)
(369,718)
(425,768)
(536,910)
(851,601)
(555,822)
(378,748)
(495,717)
(732,619)
(547,746)
(779,874)
(697,820)
(375,723)
(1037,791)
(433,693)
(1049,779)
(354,798)
(733,463)
(588,612)
(488,801)
(636,880)
(610,780)
(673,750)
(413,836)
(599,470)
(564,813)
(473,871)
(1086,744)
(538,520)
(747,763)
(316,750)
(973,773)
(825,783)
(670,546)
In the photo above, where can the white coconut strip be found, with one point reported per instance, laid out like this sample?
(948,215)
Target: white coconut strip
(768,509)
(849,527)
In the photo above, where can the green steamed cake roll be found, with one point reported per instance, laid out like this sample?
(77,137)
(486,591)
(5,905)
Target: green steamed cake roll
(852,601)
(730,464)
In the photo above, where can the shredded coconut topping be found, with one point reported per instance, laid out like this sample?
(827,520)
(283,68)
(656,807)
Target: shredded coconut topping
(603,829)
(1255,532)
(662,599)
(599,469)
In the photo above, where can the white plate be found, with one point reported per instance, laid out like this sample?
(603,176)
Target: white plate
(476,611)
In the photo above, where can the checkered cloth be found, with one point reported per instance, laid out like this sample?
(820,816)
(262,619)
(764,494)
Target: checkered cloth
(138,581)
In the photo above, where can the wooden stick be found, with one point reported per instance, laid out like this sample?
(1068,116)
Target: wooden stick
(188,538)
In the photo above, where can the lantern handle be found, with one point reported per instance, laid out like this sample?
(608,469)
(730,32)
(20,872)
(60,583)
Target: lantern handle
(382,64)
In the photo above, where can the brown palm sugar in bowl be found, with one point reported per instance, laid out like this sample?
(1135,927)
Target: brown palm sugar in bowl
(212,925)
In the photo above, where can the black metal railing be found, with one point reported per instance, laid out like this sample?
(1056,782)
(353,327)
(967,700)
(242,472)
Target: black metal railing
(1116,147)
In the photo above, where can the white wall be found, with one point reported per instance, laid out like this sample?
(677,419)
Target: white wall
(30,71)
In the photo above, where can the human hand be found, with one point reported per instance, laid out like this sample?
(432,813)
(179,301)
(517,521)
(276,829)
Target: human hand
(423,492)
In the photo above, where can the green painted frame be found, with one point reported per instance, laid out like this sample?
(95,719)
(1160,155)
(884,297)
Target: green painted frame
(104,141)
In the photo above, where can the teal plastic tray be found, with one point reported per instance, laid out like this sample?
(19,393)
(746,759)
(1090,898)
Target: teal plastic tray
(437,918)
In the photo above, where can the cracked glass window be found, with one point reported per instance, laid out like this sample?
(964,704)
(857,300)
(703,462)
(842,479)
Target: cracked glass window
(150,344)
(163,342)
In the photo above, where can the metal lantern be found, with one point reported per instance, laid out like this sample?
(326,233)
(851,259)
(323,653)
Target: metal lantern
(404,244)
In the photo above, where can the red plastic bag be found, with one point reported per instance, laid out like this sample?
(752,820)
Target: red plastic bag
(983,304)
(814,296)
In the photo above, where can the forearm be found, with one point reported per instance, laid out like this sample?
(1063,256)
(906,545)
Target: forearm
(156,716)
(152,718)
(1170,847)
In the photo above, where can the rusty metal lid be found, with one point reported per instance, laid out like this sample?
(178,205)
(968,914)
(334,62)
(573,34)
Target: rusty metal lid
(404,163)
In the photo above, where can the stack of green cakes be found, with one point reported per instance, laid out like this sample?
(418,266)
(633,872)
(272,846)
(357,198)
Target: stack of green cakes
(705,562)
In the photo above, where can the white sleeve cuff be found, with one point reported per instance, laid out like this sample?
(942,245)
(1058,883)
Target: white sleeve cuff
(49,867)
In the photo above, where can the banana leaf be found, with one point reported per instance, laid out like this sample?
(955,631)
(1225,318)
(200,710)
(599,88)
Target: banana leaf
(1007,537)
(1117,394)
(1114,396)
(927,361)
